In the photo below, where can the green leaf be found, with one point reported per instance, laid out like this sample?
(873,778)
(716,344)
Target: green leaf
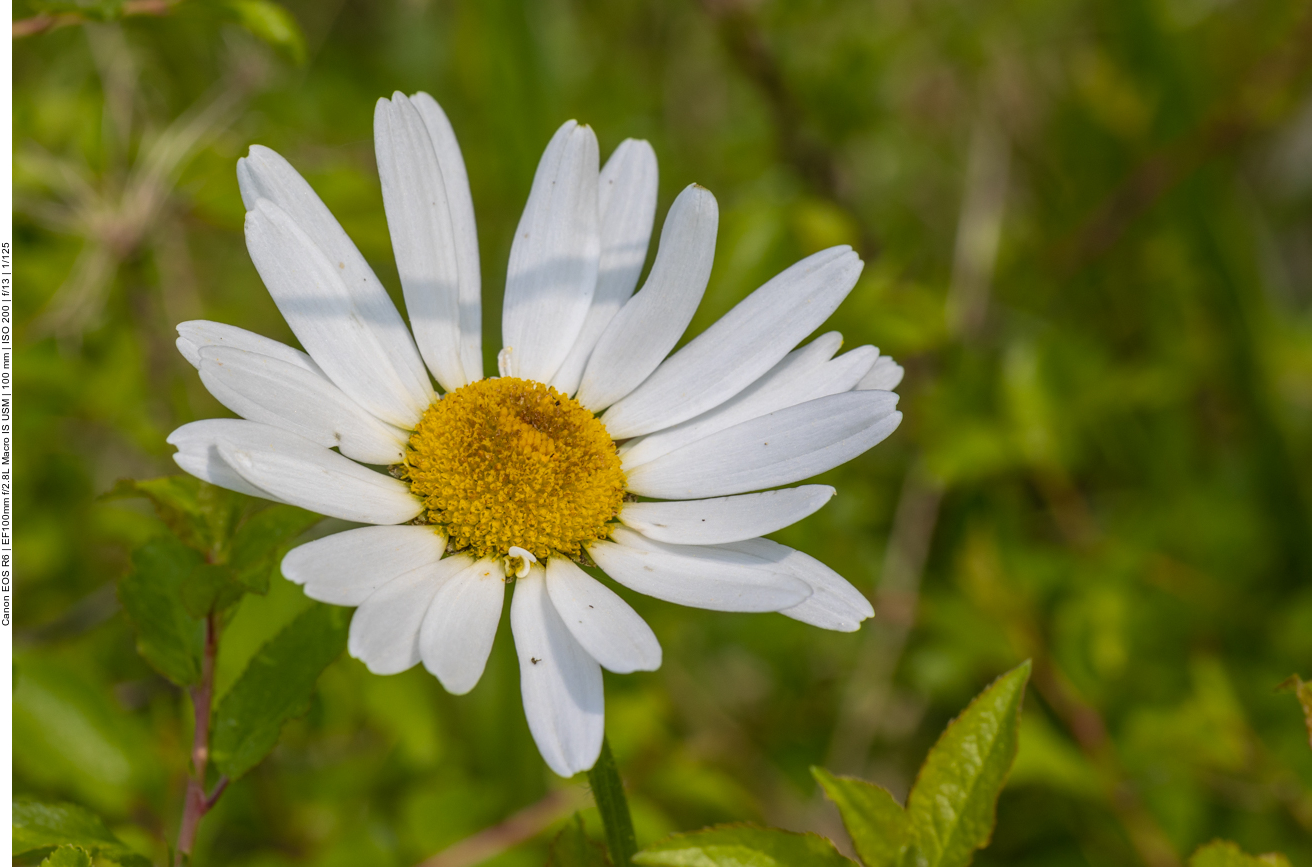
(572,848)
(275,687)
(953,803)
(200,514)
(39,825)
(273,24)
(1223,853)
(168,635)
(260,541)
(210,587)
(68,856)
(1302,689)
(879,827)
(208,518)
(742,846)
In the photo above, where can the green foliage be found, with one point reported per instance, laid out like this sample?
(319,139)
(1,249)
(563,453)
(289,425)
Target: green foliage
(169,636)
(1085,232)
(249,557)
(268,21)
(260,542)
(878,825)
(272,23)
(742,846)
(221,525)
(201,515)
(953,803)
(572,848)
(950,812)
(275,687)
(68,856)
(1223,853)
(218,551)
(210,586)
(70,830)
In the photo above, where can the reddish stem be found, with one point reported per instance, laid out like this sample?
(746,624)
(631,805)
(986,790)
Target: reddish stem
(197,803)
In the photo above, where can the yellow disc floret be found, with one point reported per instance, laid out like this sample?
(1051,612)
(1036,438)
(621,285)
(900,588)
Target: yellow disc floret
(509,463)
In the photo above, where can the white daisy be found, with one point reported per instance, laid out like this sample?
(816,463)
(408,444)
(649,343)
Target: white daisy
(521,477)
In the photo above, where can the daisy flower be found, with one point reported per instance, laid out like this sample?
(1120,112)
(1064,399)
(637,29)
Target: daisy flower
(591,447)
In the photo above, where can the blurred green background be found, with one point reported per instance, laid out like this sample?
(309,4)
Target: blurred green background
(1088,233)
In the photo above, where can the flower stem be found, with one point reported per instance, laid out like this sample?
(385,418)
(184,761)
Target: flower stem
(608,792)
(197,803)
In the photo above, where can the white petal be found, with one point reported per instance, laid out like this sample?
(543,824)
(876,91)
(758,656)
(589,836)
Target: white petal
(626,203)
(461,205)
(198,454)
(560,682)
(385,628)
(833,604)
(803,375)
(736,351)
(423,235)
(646,329)
(553,259)
(886,375)
(695,575)
(346,567)
(724,519)
(328,294)
(457,634)
(777,449)
(608,628)
(264,389)
(308,475)
(195,335)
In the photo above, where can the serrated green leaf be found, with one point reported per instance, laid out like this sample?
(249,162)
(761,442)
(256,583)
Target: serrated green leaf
(68,856)
(876,822)
(260,541)
(275,687)
(1223,853)
(953,803)
(272,23)
(572,848)
(743,846)
(39,825)
(168,636)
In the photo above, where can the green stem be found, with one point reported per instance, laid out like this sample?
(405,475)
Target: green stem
(608,792)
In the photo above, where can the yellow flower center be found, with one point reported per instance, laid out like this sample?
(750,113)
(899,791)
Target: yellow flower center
(509,463)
